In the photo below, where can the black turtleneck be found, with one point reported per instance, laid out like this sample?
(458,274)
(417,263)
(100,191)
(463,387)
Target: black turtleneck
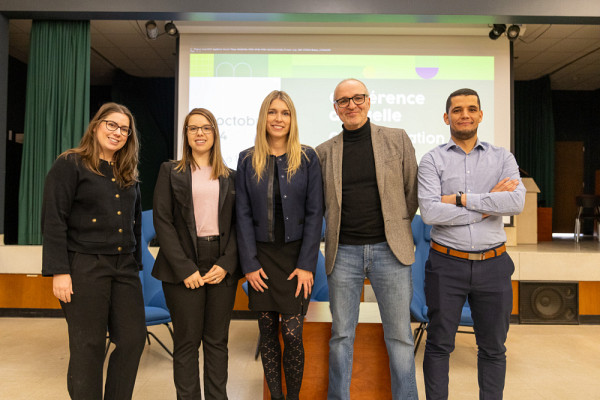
(362,219)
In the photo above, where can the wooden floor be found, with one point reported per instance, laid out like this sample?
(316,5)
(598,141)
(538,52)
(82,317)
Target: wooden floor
(544,362)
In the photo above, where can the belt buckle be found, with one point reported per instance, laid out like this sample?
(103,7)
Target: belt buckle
(476,256)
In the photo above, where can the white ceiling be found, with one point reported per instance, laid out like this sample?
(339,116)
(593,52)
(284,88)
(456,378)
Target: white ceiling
(570,53)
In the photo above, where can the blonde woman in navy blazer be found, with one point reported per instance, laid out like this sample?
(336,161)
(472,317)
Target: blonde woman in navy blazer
(279,216)
(194,215)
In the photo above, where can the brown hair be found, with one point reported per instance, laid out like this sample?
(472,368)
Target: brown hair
(125,159)
(216,159)
(261,151)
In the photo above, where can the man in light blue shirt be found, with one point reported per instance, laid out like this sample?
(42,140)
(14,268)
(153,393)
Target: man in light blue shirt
(465,187)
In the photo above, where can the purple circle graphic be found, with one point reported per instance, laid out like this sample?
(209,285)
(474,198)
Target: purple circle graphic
(427,72)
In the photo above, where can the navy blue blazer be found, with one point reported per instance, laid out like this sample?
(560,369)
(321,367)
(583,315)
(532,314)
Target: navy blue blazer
(302,203)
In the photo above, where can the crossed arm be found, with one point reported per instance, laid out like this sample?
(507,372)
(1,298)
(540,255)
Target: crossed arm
(506,197)
(505,185)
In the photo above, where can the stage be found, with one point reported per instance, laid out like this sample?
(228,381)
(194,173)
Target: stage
(557,261)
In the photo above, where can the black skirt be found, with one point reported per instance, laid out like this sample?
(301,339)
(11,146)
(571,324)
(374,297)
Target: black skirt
(278,259)
(279,262)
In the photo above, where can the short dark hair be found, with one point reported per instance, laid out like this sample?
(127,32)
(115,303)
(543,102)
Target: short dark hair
(461,92)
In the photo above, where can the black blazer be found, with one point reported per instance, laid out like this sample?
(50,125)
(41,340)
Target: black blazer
(176,227)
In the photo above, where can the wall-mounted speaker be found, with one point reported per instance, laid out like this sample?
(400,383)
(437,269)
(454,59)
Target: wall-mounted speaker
(549,302)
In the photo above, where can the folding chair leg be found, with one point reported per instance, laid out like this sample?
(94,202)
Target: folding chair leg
(170,330)
(418,335)
(257,351)
(148,334)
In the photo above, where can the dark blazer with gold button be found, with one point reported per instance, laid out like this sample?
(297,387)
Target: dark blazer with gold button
(87,213)
(175,226)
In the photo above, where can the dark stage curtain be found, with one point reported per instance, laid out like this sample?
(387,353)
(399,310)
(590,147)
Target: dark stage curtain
(534,134)
(152,103)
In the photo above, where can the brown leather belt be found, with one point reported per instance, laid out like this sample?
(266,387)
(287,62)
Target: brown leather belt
(486,255)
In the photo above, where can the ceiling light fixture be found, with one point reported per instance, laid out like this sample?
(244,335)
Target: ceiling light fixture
(512,33)
(497,31)
(151,30)
(171,29)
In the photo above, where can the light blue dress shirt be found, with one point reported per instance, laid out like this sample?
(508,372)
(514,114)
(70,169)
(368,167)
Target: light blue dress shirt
(447,169)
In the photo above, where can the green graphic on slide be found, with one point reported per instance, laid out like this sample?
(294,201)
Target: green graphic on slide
(335,65)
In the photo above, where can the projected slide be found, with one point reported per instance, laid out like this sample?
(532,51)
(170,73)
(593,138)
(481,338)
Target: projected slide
(406,92)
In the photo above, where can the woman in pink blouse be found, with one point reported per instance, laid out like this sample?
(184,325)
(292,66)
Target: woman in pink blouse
(194,201)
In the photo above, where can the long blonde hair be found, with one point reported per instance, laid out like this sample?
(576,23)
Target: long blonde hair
(125,159)
(261,151)
(216,159)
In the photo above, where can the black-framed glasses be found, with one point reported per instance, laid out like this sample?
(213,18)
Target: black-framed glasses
(358,99)
(206,129)
(113,126)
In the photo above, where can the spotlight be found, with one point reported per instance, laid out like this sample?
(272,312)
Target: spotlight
(171,29)
(512,33)
(151,30)
(497,31)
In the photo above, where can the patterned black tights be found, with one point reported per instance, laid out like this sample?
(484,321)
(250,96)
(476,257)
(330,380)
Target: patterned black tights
(293,354)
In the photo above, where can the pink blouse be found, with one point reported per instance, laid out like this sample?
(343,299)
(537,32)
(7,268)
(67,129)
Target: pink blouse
(205,193)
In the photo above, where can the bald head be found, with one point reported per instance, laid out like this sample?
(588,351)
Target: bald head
(352,115)
(349,81)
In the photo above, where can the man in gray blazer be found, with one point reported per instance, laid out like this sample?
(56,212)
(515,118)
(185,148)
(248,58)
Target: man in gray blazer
(370,188)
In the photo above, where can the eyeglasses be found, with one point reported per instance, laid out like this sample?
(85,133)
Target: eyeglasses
(358,99)
(113,126)
(206,129)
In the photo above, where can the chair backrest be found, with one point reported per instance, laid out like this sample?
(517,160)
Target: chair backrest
(422,238)
(152,287)
(588,206)
(320,290)
(418,305)
(587,200)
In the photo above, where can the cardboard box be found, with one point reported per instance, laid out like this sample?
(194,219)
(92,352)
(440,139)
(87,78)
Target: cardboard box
(526,222)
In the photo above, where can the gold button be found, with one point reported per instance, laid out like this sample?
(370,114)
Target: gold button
(117,196)
(120,230)
(94,220)
(119,248)
(113,179)
(118,212)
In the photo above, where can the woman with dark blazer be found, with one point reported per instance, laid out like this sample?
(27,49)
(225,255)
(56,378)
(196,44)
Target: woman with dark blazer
(279,217)
(91,216)
(194,215)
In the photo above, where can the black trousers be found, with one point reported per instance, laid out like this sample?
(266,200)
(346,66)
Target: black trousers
(107,292)
(449,281)
(201,316)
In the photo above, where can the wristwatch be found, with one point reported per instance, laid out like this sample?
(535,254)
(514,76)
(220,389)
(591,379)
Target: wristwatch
(459,199)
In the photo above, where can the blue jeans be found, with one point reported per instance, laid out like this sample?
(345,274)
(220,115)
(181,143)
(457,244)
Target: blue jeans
(392,284)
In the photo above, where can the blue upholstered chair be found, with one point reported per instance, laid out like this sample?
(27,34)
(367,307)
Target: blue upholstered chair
(155,305)
(418,307)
